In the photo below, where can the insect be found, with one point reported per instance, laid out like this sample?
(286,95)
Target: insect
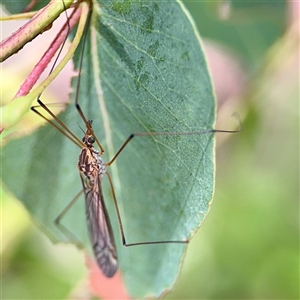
(92,169)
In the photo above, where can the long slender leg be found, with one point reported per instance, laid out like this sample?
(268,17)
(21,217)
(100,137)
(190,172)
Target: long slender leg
(122,229)
(165,134)
(112,188)
(63,129)
(65,230)
(79,81)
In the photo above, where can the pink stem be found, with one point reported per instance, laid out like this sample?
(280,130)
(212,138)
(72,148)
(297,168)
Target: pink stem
(58,41)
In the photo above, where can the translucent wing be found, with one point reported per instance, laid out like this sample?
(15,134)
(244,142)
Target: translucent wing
(100,231)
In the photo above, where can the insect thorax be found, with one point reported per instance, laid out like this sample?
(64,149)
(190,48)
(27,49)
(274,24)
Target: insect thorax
(90,163)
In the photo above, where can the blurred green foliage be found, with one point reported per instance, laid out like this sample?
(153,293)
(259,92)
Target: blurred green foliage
(250,29)
(31,264)
(248,247)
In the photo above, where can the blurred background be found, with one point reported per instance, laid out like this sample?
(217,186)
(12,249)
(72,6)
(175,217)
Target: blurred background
(248,246)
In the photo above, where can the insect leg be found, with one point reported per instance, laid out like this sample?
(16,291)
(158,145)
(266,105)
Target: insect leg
(65,230)
(121,225)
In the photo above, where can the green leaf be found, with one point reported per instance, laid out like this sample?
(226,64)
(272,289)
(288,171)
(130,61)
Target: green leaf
(143,70)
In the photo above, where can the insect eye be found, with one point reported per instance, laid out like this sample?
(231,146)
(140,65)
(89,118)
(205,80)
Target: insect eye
(91,140)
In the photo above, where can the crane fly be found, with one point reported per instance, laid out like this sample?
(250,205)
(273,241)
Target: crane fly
(91,170)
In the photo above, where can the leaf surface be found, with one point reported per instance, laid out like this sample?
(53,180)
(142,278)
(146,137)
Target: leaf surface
(144,70)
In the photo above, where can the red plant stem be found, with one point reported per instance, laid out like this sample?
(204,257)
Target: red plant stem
(30,30)
(39,68)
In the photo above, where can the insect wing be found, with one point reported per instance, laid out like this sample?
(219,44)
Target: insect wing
(99,227)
